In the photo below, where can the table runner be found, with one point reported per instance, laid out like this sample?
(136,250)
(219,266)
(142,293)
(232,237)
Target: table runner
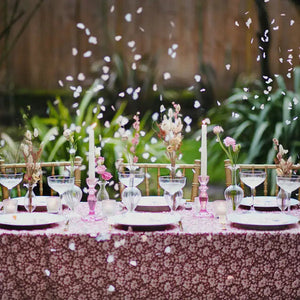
(90,261)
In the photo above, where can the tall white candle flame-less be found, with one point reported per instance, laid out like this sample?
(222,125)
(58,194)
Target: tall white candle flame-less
(92,151)
(204,150)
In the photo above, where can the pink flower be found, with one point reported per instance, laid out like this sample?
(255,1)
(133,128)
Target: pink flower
(100,160)
(100,169)
(228,141)
(218,129)
(106,176)
(135,159)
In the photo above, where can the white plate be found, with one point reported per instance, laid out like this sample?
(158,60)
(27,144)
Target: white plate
(30,219)
(151,203)
(41,201)
(144,219)
(265,201)
(262,219)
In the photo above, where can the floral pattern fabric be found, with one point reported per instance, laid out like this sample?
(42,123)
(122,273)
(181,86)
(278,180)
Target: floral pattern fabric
(202,261)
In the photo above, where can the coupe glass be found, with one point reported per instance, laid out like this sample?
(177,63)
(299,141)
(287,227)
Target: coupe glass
(60,184)
(131,195)
(252,178)
(171,185)
(288,184)
(10,180)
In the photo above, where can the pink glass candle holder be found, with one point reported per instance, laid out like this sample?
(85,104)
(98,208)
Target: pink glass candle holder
(203,198)
(92,200)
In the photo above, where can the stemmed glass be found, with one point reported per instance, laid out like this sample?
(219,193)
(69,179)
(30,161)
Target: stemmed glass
(10,180)
(131,195)
(72,198)
(288,184)
(252,178)
(60,184)
(171,185)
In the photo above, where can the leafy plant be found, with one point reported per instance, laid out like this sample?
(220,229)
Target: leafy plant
(256,115)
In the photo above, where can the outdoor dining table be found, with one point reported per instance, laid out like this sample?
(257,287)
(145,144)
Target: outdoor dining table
(200,260)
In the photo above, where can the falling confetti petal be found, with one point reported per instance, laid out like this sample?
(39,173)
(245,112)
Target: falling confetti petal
(168,249)
(292,22)
(47,272)
(110,258)
(248,23)
(167,75)
(120,243)
(128,17)
(72,246)
(60,83)
(111,288)
(139,10)
(74,51)
(146,155)
(197,78)
(112,8)
(87,31)
(131,44)
(81,77)
(118,37)
(197,104)
(187,120)
(236,23)
(133,263)
(87,54)
(153,159)
(162,109)
(227,67)
(80,25)
(107,58)
(155,116)
(69,78)
(93,40)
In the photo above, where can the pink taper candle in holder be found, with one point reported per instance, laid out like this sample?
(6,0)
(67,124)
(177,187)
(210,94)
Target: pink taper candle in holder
(91,151)
(204,149)
(203,198)
(91,180)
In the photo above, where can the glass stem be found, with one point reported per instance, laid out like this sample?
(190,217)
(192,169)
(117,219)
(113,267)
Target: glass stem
(252,200)
(288,202)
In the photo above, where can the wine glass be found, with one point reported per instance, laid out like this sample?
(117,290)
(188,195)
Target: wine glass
(252,178)
(60,184)
(72,198)
(289,184)
(171,185)
(10,180)
(131,195)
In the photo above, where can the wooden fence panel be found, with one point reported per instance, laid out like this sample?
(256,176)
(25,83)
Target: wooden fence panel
(204,30)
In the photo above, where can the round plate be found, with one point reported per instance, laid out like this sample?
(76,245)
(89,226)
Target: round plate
(30,219)
(262,219)
(41,201)
(144,219)
(155,203)
(265,201)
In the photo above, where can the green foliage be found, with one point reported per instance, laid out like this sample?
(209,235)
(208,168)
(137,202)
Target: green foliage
(254,116)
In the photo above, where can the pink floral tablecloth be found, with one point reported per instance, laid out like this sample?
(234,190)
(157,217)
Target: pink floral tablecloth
(202,261)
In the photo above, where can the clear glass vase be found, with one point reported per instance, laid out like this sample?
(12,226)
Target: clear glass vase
(30,198)
(233,193)
(102,193)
